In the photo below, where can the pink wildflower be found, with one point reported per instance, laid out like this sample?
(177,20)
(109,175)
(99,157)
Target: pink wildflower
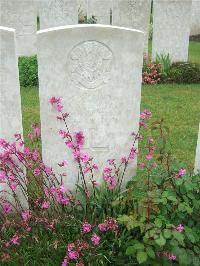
(26,215)
(2,176)
(86,228)
(149,157)
(180,228)
(45,205)
(54,100)
(79,138)
(36,172)
(65,262)
(172,257)
(7,208)
(103,227)
(15,240)
(73,255)
(182,172)
(95,239)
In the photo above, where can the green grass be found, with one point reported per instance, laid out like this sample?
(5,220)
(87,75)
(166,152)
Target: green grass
(179,105)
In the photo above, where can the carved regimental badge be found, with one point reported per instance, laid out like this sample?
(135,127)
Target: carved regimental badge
(90,64)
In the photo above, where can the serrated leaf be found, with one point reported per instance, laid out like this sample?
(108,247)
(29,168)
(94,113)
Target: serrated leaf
(139,246)
(158,222)
(130,250)
(150,252)
(160,241)
(141,256)
(179,237)
(167,233)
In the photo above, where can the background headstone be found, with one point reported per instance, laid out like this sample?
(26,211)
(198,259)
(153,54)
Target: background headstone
(101,9)
(22,16)
(100,88)
(195,20)
(10,101)
(133,14)
(54,13)
(197,160)
(171,28)
(82,9)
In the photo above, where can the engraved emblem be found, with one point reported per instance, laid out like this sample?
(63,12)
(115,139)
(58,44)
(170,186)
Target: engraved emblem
(90,64)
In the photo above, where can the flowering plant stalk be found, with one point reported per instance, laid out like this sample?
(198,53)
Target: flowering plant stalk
(100,223)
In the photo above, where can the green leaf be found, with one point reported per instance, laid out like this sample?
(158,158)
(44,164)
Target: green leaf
(160,241)
(179,237)
(167,233)
(139,246)
(158,222)
(150,252)
(130,250)
(141,256)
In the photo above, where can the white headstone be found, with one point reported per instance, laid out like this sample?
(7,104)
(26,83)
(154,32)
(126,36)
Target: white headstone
(82,7)
(101,10)
(133,14)
(22,16)
(54,13)
(171,28)
(195,20)
(10,101)
(100,87)
(197,160)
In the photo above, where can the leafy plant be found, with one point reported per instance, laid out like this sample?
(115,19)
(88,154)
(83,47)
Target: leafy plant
(184,73)
(28,71)
(165,62)
(153,221)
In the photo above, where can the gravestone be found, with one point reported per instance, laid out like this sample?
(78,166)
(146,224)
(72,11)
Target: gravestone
(171,28)
(100,89)
(101,10)
(54,13)
(22,16)
(197,160)
(195,20)
(82,9)
(132,14)
(10,101)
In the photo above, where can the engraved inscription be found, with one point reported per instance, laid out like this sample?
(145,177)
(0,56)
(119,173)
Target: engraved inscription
(90,64)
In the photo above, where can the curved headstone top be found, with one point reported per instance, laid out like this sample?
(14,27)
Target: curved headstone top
(22,16)
(87,26)
(197,159)
(97,71)
(7,29)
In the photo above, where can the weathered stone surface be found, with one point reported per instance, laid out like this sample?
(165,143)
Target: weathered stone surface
(96,69)
(133,14)
(54,13)
(197,160)
(10,101)
(22,16)
(195,20)
(101,9)
(171,28)
(82,7)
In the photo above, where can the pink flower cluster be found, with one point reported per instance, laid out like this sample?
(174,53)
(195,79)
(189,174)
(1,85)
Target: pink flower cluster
(151,72)
(74,252)
(109,224)
(35,133)
(166,254)
(179,228)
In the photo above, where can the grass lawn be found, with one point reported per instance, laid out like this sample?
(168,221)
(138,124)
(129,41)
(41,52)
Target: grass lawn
(179,105)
